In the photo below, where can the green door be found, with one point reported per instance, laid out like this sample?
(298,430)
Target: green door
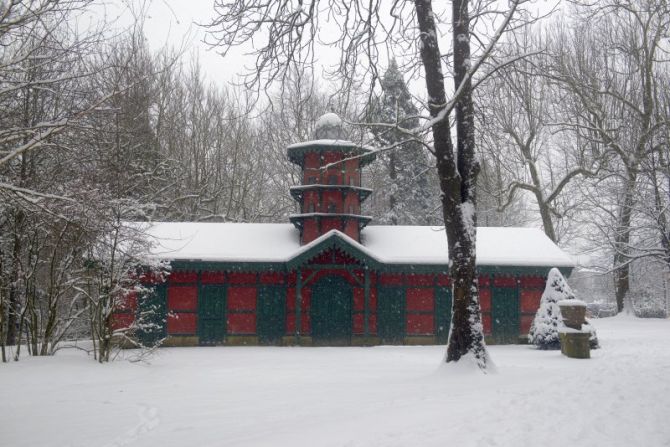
(271,314)
(330,312)
(391,314)
(212,314)
(442,313)
(505,315)
(151,316)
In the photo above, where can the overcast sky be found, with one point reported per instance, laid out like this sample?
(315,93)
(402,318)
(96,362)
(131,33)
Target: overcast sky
(173,23)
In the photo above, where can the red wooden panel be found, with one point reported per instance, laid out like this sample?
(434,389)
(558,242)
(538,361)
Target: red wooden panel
(182,323)
(310,198)
(312,160)
(358,323)
(241,278)
(373,299)
(504,281)
(241,298)
(420,324)
(290,300)
(443,280)
(526,321)
(310,231)
(241,323)
(306,324)
(182,298)
(306,297)
(331,157)
(183,277)
(272,278)
(351,205)
(420,299)
(329,223)
(122,321)
(359,299)
(373,278)
(485,299)
(213,277)
(372,324)
(290,323)
(420,280)
(486,319)
(330,199)
(530,282)
(390,279)
(292,278)
(127,303)
(530,300)
(485,281)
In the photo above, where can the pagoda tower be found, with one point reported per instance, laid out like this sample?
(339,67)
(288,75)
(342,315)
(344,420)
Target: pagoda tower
(330,196)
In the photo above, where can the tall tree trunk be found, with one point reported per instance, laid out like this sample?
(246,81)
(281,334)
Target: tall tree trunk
(457,177)
(621,264)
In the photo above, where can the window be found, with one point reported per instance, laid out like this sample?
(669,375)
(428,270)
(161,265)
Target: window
(332,180)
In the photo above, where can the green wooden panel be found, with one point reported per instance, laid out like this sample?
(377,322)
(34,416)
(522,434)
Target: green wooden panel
(271,314)
(331,311)
(442,313)
(211,314)
(152,315)
(391,314)
(505,315)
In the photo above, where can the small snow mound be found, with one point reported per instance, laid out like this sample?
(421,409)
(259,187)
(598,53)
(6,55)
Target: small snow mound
(574,302)
(467,365)
(329,126)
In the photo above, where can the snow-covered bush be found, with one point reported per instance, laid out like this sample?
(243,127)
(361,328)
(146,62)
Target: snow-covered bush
(548,321)
(601,309)
(647,303)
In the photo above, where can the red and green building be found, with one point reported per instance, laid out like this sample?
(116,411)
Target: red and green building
(327,278)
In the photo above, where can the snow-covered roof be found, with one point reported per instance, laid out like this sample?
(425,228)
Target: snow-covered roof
(254,242)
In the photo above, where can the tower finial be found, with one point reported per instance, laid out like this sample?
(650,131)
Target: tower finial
(329,127)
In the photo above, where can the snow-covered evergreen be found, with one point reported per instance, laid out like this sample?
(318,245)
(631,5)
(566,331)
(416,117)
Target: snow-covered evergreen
(410,185)
(548,320)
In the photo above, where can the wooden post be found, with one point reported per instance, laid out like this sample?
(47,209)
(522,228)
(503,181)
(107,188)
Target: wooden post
(298,305)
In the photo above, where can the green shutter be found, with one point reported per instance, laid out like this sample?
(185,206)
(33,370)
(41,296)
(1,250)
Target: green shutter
(391,314)
(505,315)
(271,314)
(442,313)
(211,314)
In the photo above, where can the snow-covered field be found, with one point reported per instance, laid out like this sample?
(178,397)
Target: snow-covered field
(382,396)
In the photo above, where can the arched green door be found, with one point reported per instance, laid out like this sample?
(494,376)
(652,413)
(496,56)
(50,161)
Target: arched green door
(330,311)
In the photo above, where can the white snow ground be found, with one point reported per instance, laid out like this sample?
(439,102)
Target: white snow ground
(382,396)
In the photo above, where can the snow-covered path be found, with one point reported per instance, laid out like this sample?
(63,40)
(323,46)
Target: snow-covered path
(382,396)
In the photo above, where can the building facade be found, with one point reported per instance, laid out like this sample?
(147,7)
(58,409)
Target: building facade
(325,279)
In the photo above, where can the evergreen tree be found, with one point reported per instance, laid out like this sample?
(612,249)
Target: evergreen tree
(548,321)
(408,187)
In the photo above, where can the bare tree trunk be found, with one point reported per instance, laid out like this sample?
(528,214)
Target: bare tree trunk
(621,263)
(457,177)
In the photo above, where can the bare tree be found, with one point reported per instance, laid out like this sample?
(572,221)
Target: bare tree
(609,61)
(523,133)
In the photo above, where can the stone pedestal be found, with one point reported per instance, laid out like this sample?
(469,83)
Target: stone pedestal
(575,344)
